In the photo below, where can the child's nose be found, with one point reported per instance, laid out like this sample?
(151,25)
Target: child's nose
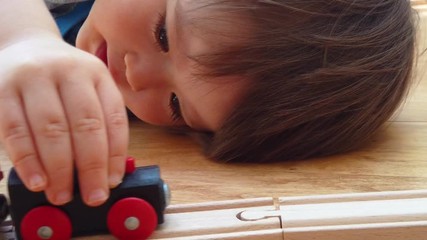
(144,73)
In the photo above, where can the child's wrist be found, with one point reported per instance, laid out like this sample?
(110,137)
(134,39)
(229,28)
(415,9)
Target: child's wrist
(29,35)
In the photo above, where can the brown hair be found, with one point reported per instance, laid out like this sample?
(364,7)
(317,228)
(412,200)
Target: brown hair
(324,74)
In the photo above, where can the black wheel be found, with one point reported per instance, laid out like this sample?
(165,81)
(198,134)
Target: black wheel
(4,208)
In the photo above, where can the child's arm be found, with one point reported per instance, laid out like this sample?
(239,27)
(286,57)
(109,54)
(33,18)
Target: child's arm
(59,106)
(24,18)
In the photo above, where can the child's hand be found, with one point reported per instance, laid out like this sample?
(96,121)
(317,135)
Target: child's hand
(60,108)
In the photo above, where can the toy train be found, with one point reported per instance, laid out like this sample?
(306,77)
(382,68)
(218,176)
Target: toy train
(132,212)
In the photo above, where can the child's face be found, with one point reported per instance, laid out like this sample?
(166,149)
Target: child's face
(146,48)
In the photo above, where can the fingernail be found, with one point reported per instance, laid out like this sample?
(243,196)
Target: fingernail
(114,180)
(97,196)
(36,182)
(62,197)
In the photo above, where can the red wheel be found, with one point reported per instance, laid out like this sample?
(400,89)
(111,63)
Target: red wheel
(132,219)
(46,223)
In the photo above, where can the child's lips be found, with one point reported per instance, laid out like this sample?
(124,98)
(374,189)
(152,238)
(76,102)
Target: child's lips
(101,53)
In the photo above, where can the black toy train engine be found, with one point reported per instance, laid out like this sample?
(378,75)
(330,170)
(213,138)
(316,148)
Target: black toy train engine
(133,210)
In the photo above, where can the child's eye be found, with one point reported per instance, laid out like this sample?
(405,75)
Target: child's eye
(161,35)
(175,108)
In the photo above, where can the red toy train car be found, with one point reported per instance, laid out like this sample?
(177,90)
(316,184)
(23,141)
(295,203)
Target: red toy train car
(133,211)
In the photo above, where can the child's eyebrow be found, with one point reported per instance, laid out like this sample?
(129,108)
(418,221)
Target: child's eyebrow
(179,24)
(178,12)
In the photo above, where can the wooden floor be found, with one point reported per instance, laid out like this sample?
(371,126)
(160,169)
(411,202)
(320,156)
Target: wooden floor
(396,160)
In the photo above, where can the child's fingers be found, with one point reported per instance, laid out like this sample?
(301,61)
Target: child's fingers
(17,138)
(89,137)
(117,128)
(50,129)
